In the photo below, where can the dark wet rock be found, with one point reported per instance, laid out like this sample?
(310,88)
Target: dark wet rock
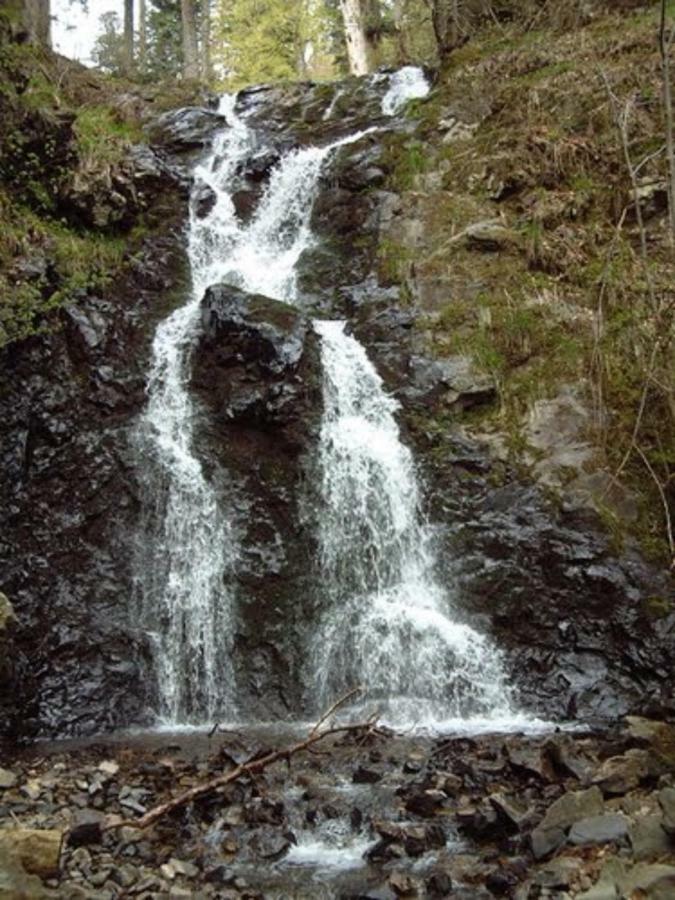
(68,495)
(424,803)
(190,128)
(86,828)
(257,369)
(270,845)
(403,885)
(514,812)
(112,198)
(362,775)
(203,200)
(439,884)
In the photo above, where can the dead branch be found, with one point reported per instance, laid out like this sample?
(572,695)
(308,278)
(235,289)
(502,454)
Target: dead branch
(252,767)
(334,708)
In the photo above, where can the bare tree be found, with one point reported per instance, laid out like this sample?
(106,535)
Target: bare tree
(446,18)
(190,45)
(358,44)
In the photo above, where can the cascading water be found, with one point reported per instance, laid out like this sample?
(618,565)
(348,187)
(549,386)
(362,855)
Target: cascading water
(188,546)
(405,84)
(386,622)
(387,626)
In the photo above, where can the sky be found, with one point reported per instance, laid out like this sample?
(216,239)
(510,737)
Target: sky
(74,30)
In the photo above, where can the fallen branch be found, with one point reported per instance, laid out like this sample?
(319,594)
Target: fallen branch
(251,768)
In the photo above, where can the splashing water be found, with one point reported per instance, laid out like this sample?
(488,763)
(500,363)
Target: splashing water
(388,623)
(408,83)
(188,546)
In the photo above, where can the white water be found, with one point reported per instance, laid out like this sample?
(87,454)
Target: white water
(188,547)
(388,623)
(405,84)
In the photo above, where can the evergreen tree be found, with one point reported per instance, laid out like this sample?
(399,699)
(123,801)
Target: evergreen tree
(108,51)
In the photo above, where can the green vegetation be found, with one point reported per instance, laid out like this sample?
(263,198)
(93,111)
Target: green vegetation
(573,302)
(103,136)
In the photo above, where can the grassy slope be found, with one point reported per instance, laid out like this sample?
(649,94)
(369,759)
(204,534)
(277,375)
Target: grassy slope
(567,299)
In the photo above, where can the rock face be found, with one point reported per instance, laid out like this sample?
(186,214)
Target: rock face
(257,370)
(69,497)
(572,616)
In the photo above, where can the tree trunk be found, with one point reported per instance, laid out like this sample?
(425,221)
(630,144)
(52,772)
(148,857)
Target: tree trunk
(206,41)
(142,34)
(38,22)
(445,15)
(190,47)
(128,36)
(355,36)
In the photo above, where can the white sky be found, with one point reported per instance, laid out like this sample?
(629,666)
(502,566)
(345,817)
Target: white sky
(74,31)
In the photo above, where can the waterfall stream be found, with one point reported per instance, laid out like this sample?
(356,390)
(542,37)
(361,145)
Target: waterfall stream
(387,622)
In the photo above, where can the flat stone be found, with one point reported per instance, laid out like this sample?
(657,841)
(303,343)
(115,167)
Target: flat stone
(599,830)
(572,807)
(648,838)
(39,852)
(109,767)
(7,779)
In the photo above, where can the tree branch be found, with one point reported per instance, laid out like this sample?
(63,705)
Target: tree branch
(251,768)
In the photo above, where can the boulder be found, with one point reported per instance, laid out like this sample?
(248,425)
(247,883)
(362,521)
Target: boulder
(39,852)
(189,128)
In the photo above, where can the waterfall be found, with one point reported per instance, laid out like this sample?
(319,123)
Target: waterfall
(387,622)
(405,84)
(187,549)
(388,625)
